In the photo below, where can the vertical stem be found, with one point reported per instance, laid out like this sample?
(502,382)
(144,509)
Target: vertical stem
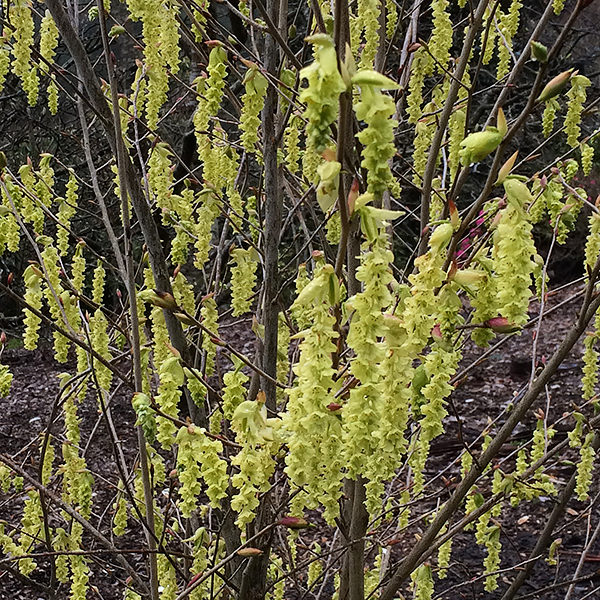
(444,117)
(273,209)
(354,514)
(131,292)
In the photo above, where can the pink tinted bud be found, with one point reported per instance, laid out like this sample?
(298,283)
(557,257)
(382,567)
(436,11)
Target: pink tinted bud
(436,333)
(294,522)
(501,325)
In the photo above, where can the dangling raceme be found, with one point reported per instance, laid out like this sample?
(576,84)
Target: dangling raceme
(161,50)
(256,85)
(325,84)
(587,158)
(198,458)
(243,279)
(52,293)
(48,44)
(368,12)
(234,391)
(377,138)
(420,68)
(160,177)
(255,433)
(441,36)
(171,377)
(67,209)
(33,296)
(576,97)
(362,413)
(513,253)
(551,108)
(311,425)
(23,33)
(422,582)
(206,213)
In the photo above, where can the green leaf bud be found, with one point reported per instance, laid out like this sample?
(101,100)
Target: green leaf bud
(539,52)
(555,86)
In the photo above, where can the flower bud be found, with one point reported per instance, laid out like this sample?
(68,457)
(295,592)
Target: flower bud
(539,52)
(467,277)
(476,146)
(501,325)
(352,196)
(294,523)
(116,31)
(249,552)
(185,319)
(517,192)
(454,216)
(436,333)
(441,236)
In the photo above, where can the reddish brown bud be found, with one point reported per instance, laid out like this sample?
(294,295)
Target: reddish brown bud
(352,196)
(249,552)
(294,523)
(501,325)
(436,333)
(195,578)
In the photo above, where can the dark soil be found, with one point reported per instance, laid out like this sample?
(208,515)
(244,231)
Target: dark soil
(480,401)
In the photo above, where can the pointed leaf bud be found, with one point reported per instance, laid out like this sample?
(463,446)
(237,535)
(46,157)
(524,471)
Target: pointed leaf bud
(502,125)
(454,216)
(249,552)
(506,168)
(352,196)
(160,299)
(468,277)
(555,86)
(374,79)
